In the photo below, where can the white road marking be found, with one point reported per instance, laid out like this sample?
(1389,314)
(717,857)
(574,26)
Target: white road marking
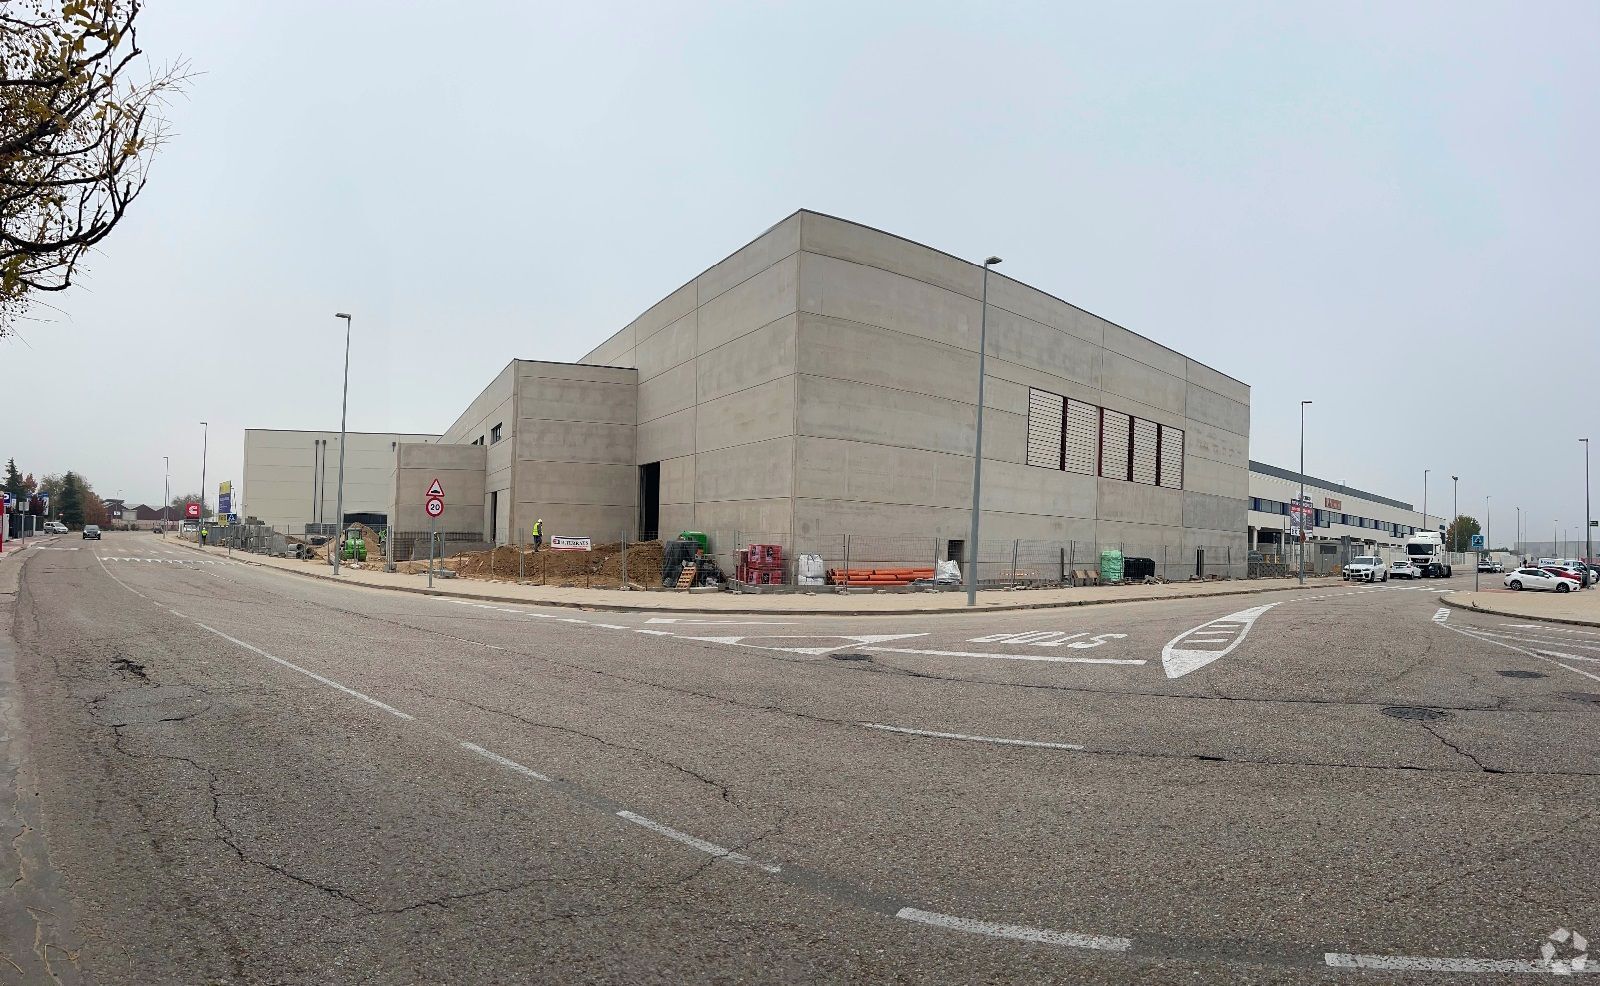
(1047,658)
(654,633)
(1021,932)
(1571,657)
(1549,629)
(310,674)
(851,640)
(709,848)
(720,623)
(1179,660)
(1424,963)
(975,739)
(1521,650)
(506,762)
(1442,615)
(1583,644)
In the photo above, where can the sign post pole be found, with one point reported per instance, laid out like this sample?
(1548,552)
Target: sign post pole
(431,524)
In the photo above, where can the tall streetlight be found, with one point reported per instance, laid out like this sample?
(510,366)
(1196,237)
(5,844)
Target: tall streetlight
(205,446)
(1303,518)
(1425,500)
(1488,528)
(166,494)
(344,403)
(1588,529)
(1455,510)
(1518,542)
(977,449)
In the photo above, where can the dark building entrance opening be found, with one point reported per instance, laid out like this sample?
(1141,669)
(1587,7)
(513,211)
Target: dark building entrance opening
(494,517)
(650,501)
(375,521)
(956,551)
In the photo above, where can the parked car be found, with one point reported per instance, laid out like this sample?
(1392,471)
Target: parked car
(1581,578)
(1540,578)
(91,532)
(1403,569)
(1488,565)
(1366,568)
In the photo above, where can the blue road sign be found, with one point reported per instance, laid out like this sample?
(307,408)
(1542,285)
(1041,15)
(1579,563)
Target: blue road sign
(1477,542)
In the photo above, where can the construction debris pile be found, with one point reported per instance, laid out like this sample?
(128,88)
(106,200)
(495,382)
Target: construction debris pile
(600,568)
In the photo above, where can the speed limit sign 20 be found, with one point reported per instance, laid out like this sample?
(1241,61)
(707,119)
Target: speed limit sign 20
(435,506)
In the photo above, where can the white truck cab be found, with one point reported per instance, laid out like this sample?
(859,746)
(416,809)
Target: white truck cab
(1426,551)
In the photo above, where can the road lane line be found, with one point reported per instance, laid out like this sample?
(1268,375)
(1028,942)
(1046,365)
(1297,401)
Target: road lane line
(310,674)
(709,848)
(1442,615)
(1521,650)
(506,762)
(975,739)
(1424,963)
(1048,658)
(1021,932)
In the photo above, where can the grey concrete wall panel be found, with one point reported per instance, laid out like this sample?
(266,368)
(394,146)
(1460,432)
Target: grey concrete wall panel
(577,441)
(772,517)
(1145,384)
(1031,303)
(675,517)
(754,257)
(832,469)
(1217,382)
(593,483)
(667,393)
(617,351)
(1010,487)
(657,317)
(762,470)
(1001,527)
(1207,476)
(1136,503)
(759,301)
(666,438)
(755,415)
(1023,341)
(530,369)
(861,412)
(1221,513)
(859,244)
(845,350)
(603,523)
(1027,376)
(672,346)
(577,400)
(1135,346)
(822,517)
(755,358)
(677,480)
(1201,440)
(459,469)
(278,479)
(893,301)
(493,397)
(1214,409)
(1005,436)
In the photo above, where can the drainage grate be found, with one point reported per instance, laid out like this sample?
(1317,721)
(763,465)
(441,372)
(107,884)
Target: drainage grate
(850,657)
(1521,674)
(1413,712)
(1591,697)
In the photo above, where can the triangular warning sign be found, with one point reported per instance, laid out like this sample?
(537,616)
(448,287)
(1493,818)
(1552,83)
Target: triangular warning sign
(436,489)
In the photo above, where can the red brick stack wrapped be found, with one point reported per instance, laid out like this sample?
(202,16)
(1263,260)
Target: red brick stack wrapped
(761,564)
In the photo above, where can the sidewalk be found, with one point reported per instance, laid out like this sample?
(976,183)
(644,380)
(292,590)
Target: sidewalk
(823,603)
(1577,608)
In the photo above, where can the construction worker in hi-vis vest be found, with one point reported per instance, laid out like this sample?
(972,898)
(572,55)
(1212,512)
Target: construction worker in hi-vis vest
(538,533)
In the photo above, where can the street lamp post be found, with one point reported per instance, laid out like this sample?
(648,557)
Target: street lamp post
(205,447)
(1303,491)
(1588,521)
(1455,511)
(1425,500)
(977,447)
(344,403)
(166,494)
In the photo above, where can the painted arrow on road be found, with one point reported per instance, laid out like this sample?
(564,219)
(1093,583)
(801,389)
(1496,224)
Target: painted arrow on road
(1192,650)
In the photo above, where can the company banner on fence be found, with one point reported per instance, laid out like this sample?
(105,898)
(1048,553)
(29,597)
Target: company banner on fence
(559,543)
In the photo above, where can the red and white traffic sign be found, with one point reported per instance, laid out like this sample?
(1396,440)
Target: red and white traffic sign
(435,489)
(435,506)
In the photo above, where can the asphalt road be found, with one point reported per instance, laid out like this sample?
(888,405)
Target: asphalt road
(247,777)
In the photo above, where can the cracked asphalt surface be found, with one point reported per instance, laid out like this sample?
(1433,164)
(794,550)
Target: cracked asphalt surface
(215,815)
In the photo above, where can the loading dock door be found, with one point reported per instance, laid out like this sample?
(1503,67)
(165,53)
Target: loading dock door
(649,501)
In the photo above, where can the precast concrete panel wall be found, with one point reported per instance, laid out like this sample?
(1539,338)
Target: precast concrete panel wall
(576,465)
(290,480)
(490,421)
(460,470)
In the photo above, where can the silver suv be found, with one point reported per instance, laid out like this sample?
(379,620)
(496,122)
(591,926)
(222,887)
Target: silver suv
(1366,568)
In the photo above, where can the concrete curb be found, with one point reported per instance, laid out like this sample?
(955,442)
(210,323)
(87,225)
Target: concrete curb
(623,608)
(1468,608)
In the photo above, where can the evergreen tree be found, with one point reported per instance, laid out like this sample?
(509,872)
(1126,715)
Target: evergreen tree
(14,483)
(71,494)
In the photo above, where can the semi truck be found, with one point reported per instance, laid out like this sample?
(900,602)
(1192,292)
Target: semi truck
(1426,551)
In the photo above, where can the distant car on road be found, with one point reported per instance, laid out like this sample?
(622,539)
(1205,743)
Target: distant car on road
(1403,569)
(1539,578)
(1366,568)
(1490,566)
(91,532)
(55,527)
(1581,578)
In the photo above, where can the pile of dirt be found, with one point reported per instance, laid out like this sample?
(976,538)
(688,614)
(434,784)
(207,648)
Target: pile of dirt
(600,568)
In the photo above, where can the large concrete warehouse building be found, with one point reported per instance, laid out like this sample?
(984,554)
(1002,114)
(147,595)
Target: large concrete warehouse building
(821,381)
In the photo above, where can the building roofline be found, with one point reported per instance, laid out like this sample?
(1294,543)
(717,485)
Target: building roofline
(335,431)
(1325,484)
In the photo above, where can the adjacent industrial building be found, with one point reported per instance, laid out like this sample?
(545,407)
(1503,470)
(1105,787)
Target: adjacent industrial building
(291,477)
(1344,520)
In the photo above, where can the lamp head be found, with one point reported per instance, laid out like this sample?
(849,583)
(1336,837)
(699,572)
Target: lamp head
(991,261)
(341,315)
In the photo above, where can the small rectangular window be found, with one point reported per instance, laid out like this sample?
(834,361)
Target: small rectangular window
(494,434)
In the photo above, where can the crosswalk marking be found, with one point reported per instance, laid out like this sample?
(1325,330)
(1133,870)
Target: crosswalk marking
(164,561)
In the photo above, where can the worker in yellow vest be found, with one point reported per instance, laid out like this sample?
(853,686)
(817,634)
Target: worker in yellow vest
(538,533)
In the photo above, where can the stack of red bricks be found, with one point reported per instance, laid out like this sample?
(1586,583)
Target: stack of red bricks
(761,564)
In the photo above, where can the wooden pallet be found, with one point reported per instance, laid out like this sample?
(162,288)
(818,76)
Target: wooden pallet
(687,573)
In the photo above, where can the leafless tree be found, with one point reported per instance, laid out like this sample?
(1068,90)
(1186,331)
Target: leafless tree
(80,120)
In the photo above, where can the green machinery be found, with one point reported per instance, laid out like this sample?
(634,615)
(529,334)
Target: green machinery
(355,546)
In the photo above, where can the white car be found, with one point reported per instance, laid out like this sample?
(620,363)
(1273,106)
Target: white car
(1535,578)
(1366,568)
(1403,569)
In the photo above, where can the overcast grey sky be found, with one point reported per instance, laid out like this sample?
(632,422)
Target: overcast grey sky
(1388,209)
